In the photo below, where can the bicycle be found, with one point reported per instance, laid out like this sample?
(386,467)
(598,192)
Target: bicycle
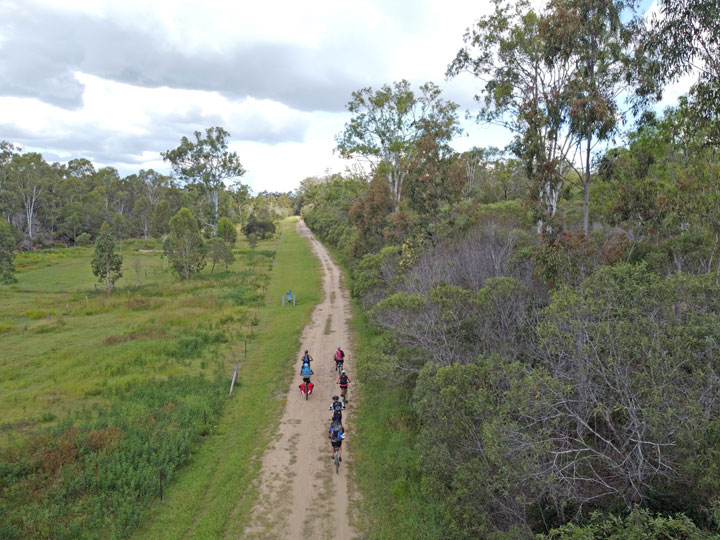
(305,387)
(336,459)
(343,395)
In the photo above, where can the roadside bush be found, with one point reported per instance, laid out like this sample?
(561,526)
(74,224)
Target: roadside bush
(83,239)
(94,475)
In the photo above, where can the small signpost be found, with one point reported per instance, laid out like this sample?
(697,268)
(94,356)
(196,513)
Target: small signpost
(291,298)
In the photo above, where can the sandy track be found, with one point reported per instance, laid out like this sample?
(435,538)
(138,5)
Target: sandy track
(301,497)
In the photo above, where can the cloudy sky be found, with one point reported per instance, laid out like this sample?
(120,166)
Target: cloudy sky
(118,82)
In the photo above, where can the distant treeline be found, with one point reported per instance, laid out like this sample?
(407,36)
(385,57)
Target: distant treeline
(54,203)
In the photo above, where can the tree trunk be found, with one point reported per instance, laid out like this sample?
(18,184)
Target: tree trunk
(107,280)
(586,214)
(216,204)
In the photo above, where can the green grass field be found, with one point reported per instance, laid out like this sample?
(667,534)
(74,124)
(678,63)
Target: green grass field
(106,402)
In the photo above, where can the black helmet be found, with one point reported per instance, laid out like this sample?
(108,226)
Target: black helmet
(335,398)
(306,351)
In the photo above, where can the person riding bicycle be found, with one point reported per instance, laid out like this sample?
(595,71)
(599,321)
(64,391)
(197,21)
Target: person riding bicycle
(343,381)
(336,407)
(305,372)
(306,357)
(336,435)
(339,358)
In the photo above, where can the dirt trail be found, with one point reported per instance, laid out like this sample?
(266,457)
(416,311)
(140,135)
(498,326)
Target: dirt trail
(301,496)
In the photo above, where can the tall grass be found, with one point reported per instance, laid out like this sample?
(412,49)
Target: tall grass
(107,399)
(213,497)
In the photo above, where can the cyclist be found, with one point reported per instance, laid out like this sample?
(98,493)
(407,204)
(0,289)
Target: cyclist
(339,358)
(336,407)
(305,372)
(343,381)
(306,357)
(336,435)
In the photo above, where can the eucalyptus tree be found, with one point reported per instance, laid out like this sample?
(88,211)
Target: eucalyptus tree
(184,246)
(208,162)
(684,38)
(227,231)
(143,214)
(8,241)
(593,37)
(106,263)
(553,78)
(523,92)
(387,125)
(29,175)
(7,195)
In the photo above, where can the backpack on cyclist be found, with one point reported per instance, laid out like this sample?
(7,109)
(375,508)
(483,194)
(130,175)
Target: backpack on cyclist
(337,414)
(305,371)
(338,356)
(336,435)
(343,379)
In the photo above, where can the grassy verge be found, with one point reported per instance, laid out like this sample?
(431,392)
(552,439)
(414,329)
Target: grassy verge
(213,497)
(394,501)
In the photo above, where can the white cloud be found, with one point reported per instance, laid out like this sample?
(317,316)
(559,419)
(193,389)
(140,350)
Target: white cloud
(119,82)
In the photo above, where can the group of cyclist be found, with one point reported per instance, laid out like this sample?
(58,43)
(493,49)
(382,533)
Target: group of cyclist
(336,433)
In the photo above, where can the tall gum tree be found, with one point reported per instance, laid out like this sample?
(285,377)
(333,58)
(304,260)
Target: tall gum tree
(592,37)
(683,37)
(208,162)
(387,125)
(29,175)
(552,77)
(522,91)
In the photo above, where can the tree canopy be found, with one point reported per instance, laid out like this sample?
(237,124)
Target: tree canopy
(185,247)
(387,124)
(106,262)
(208,162)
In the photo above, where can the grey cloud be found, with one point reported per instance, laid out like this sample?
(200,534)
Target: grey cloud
(41,49)
(109,146)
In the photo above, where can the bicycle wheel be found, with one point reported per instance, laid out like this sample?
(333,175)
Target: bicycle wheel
(337,462)
(307,390)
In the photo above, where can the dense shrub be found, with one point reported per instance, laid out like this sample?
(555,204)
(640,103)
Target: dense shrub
(94,475)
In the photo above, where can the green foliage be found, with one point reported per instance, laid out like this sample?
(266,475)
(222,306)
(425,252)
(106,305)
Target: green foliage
(226,231)
(388,124)
(106,263)
(161,219)
(184,247)
(258,226)
(219,251)
(327,203)
(683,40)
(638,525)
(141,366)
(83,239)
(208,162)
(97,472)
(8,242)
